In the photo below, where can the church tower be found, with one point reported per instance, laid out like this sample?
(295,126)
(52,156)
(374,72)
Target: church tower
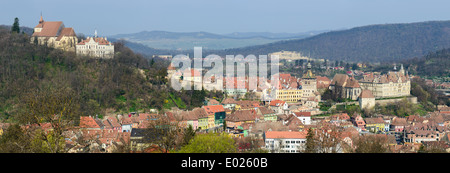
(309,83)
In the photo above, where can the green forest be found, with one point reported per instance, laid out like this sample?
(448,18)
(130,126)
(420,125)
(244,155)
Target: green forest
(128,82)
(373,43)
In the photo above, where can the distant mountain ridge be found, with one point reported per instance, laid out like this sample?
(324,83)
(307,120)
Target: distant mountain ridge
(372,43)
(189,40)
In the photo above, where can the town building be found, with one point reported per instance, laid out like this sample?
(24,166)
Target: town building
(285,141)
(309,84)
(95,46)
(289,88)
(54,34)
(344,86)
(366,100)
(392,84)
(423,132)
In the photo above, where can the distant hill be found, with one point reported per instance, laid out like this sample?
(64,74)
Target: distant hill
(274,35)
(373,43)
(433,64)
(188,40)
(26,30)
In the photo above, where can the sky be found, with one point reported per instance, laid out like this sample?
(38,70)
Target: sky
(111,17)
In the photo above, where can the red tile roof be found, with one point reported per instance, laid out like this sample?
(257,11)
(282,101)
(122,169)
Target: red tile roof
(49,29)
(99,40)
(277,103)
(88,122)
(212,109)
(366,94)
(285,135)
(302,114)
(66,32)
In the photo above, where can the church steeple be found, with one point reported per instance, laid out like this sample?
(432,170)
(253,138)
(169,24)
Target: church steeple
(401,69)
(308,73)
(41,20)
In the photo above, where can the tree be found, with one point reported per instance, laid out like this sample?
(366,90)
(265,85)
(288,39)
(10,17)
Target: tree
(15,140)
(370,144)
(166,135)
(57,106)
(16,28)
(210,143)
(310,142)
(189,133)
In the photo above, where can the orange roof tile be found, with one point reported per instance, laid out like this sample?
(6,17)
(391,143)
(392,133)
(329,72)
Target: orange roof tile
(49,29)
(285,135)
(88,122)
(213,109)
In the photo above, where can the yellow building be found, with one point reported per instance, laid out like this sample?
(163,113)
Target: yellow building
(392,84)
(375,124)
(289,95)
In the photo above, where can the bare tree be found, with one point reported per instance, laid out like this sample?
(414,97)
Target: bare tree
(165,134)
(55,106)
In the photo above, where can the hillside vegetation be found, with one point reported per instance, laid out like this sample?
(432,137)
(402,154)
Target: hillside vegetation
(128,82)
(373,43)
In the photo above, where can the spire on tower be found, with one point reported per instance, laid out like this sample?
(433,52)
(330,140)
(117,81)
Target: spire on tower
(95,33)
(41,20)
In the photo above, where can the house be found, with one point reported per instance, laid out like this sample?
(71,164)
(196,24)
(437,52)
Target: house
(216,115)
(375,124)
(268,114)
(398,124)
(239,117)
(127,124)
(88,122)
(285,141)
(358,121)
(246,105)
(323,82)
(339,119)
(229,103)
(278,106)
(422,132)
(293,123)
(413,119)
(191,118)
(114,124)
(305,117)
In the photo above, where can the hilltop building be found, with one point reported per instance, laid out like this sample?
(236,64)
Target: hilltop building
(393,84)
(344,86)
(95,47)
(54,34)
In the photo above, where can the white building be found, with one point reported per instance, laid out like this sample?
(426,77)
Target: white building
(305,117)
(95,47)
(285,141)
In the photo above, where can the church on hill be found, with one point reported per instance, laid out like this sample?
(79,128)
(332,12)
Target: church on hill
(54,34)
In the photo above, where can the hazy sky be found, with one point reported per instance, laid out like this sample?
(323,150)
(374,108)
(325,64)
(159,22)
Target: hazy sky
(225,16)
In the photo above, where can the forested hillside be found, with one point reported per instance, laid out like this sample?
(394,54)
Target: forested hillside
(373,43)
(433,64)
(128,82)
